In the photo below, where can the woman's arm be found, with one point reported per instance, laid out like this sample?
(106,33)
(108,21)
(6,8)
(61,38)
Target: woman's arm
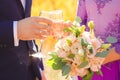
(112,56)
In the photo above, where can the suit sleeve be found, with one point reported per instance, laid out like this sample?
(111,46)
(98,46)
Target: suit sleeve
(6,34)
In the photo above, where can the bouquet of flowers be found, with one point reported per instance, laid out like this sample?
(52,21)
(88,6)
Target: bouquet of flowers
(80,53)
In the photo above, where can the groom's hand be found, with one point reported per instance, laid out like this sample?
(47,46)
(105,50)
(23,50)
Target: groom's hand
(58,28)
(33,28)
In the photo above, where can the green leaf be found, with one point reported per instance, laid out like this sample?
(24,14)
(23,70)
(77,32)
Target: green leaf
(71,55)
(90,49)
(82,28)
(105,46)
(55,62)
(53,54)
(111,39)
(69,42)
(99,72)
(83,64)
(66,77)
(78,19)
(88,76)
(65,70)
(52,59)
(83,43)
(76,31)
(58,63)
(50,62)
(69,29)
(102,54)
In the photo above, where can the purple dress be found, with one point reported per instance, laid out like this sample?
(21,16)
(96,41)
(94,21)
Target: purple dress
(106,16)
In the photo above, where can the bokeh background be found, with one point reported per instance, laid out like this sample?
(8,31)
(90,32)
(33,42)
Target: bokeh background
(69,8)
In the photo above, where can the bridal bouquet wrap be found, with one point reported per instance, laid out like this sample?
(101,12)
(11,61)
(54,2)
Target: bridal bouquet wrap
(80,53)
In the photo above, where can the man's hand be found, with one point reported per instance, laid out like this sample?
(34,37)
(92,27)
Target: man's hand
(58,27)
(34,28)
(42,75)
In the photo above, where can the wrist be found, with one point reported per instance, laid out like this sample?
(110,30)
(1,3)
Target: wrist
(112,56)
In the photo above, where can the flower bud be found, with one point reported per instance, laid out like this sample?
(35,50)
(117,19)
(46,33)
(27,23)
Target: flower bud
(91,26)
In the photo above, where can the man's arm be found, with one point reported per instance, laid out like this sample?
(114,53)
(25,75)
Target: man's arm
(6,34)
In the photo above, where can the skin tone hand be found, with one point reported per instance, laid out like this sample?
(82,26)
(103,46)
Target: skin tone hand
(67,23)
(58,27)
(61,25)
(112,56)
(33,28)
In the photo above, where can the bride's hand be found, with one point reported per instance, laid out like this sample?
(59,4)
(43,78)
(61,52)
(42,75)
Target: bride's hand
(112,56)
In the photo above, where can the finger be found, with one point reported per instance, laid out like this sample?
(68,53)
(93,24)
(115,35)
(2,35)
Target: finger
(42,33)
(67,23)
(42,26)
(39,36)
(44,20)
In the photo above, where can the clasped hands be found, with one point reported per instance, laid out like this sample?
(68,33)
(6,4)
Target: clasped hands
(37,27)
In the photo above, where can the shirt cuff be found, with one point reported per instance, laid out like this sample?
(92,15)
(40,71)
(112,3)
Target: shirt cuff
(16,41)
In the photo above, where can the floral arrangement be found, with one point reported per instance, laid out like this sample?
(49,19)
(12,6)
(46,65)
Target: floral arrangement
(80,53)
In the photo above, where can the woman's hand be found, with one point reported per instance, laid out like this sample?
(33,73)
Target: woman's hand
(112,56)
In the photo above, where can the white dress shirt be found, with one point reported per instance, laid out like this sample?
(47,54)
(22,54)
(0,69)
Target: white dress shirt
(16,41)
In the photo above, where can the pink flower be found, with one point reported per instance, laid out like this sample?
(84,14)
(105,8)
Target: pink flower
(93,41)
(96,43)
(75,47)
(76,71)
(95,63)
(62,53)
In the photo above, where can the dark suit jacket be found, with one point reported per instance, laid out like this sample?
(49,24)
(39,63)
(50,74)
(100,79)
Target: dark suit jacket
(14,61)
